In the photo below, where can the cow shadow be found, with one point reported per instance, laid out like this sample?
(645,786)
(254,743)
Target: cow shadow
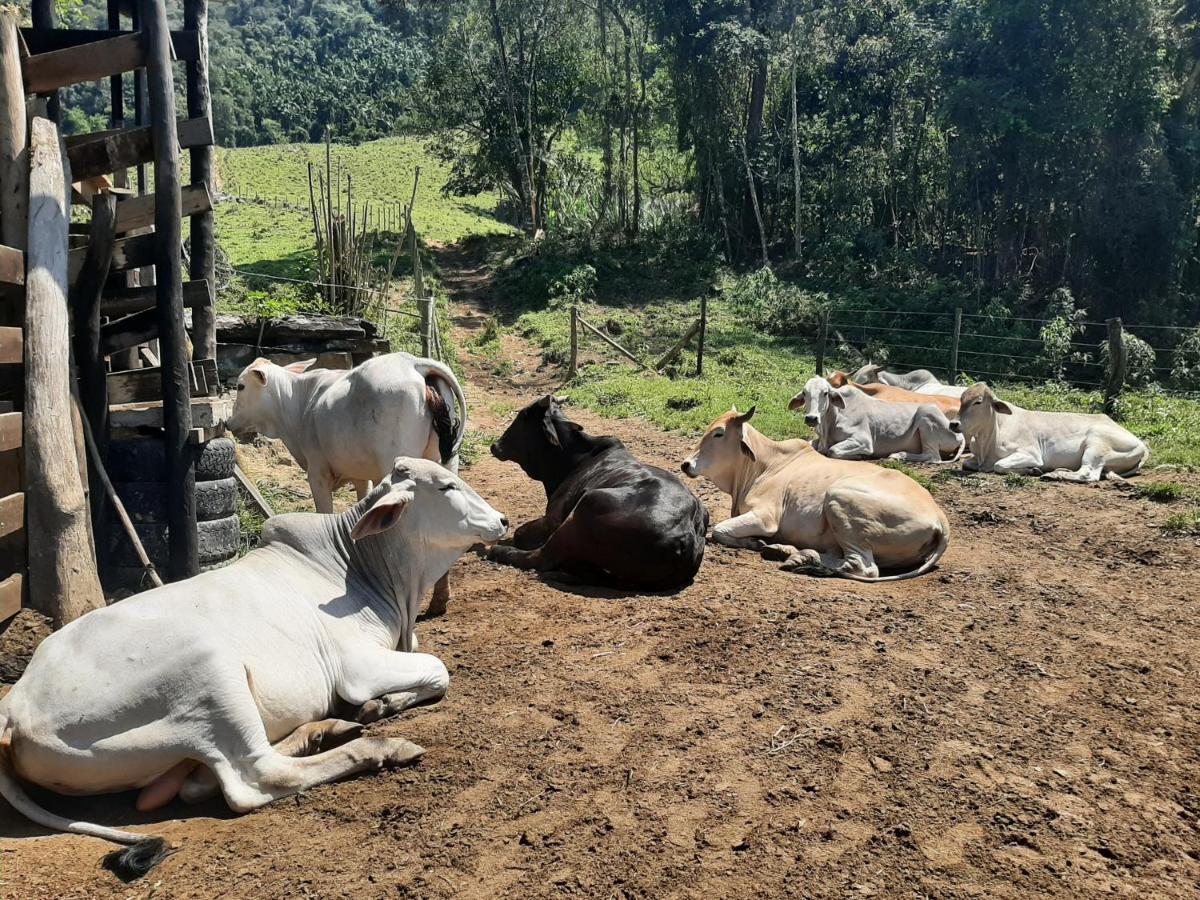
(112,810)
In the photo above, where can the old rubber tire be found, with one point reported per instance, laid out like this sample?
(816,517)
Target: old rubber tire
(143,460)
(146,501)
(219,540)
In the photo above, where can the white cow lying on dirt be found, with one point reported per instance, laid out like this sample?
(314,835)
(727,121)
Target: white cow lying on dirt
(223,680)
(348,426)
(851,425)
(1057,445)
(920,381)
(827,516)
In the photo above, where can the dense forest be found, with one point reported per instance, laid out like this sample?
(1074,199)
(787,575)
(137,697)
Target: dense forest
(984,147)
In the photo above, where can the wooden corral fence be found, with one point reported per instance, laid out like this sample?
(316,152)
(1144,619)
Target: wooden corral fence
(96,310)
(696,331)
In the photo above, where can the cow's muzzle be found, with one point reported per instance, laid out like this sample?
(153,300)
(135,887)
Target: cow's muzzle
(688,467)
(811,421)
(956,426)
(498,451)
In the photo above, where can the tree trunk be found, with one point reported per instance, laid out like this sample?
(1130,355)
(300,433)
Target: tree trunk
(62,567)
(797,233)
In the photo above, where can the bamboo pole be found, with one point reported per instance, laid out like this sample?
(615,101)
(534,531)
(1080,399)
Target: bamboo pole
(63,580)
(604,337)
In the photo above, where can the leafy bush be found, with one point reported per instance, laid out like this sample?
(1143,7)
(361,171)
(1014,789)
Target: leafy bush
(1057,334)
(1185,361)
(576,287)
(1139,360)
(775,306)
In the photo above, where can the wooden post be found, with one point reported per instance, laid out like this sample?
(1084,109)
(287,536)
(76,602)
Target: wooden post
(176,387)
(44,18)
(426,306)
(89,363)
(573,368)
(203,244)
(62,568)
(953,375)
(822,336)
(1115,377)
(702,335)
(14,160)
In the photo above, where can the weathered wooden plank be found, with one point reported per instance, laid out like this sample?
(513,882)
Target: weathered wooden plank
(124,301)
(83,63)
(103,152)
(11,425)
(207,412)
(128,332)
(186,43)
(12,589)
(12,514)
(12,345)
(138,212)
(145,386)
(128,253)
(12,265)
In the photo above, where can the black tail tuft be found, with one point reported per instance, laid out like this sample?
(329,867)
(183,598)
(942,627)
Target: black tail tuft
(136,860)
(443,418)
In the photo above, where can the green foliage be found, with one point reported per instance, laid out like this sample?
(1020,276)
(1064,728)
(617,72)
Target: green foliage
(1183,524)
(1139,360)
(1161,491)
(1058,334)
(1185,361)
(773,305)
(575,288)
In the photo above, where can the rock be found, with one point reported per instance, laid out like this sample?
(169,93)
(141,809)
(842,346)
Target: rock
(879,764)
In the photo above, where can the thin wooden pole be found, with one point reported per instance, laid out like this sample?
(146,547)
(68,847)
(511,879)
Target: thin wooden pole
(954,343)
(822,337)
(44,18)
(89,363)
(604,337)
(1115,377)
(573,368)
(678,346)
(14,139)
(203,244)
(176,388)
(63,580)
(703,334)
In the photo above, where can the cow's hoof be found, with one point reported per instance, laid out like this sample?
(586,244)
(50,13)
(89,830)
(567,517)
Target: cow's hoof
(503,554)
(389,753)
(777,552)
(803,561)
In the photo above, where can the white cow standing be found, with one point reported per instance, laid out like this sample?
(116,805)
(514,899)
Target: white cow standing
(347,426)
(919,381)
(851,425)
(1056,445)
(216,681)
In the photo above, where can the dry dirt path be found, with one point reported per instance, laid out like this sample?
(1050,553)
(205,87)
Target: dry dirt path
(1023,722)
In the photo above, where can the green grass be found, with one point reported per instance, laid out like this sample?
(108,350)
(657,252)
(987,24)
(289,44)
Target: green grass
(1184,524)
(279,241)
(1161,491)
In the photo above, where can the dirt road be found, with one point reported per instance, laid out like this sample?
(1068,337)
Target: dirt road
(1025,721)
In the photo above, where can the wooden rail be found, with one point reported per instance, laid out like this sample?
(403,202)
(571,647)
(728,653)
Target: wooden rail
(108,151)
(84,62)
(138,212)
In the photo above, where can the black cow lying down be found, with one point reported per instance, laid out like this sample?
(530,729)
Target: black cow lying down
(610,519)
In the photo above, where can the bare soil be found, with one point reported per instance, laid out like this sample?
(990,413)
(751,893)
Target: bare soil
(1023,722)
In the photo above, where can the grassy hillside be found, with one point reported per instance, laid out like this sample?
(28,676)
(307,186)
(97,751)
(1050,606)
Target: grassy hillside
(278,241)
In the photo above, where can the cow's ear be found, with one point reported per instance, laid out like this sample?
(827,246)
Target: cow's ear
(550,430)
(1001,407)
(259,373)
(301,367)
(746,448)
(385,512)
(837,400)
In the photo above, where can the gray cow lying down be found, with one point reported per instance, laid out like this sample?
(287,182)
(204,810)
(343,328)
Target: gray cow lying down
(223,681)
(919,381)
(848,424)
(1057,445)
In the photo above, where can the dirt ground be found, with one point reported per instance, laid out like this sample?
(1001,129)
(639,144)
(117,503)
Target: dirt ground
(1023,722)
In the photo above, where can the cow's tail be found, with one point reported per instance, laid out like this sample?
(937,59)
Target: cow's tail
(143,852)
(443,394)
(938,547)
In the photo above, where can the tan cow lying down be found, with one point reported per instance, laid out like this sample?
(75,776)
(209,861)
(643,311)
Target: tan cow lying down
(880,391)
(825,516)
(1062,446)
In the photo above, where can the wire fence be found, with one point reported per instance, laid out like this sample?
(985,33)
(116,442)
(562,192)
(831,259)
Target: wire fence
(1017,348)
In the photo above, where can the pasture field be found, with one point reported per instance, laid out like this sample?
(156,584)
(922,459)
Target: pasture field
(1022,722)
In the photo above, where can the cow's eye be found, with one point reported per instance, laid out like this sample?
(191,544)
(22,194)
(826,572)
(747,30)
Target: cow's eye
(241,387)
(448,487)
